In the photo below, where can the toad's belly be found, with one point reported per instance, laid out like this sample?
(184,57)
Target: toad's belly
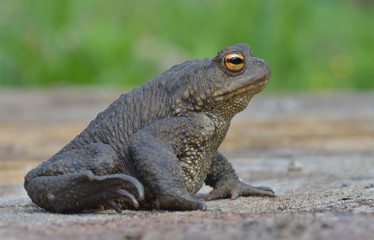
(195,172)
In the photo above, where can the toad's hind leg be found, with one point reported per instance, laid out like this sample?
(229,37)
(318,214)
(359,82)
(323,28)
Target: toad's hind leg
(80,179)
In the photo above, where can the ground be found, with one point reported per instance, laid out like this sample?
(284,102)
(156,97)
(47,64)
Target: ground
(315,151)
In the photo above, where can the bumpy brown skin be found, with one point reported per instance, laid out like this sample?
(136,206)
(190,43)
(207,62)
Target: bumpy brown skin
(157,145)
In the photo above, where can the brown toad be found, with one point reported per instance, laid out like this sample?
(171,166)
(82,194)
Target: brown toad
(157,145)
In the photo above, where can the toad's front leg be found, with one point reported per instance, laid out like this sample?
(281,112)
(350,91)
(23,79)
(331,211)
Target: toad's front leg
(226,184)
(154,153)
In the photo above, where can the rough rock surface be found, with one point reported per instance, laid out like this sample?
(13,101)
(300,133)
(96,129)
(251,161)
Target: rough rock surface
(316,152)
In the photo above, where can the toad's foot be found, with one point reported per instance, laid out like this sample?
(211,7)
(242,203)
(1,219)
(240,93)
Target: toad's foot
(181,203)
(75,192)
(109,188)
(236,188)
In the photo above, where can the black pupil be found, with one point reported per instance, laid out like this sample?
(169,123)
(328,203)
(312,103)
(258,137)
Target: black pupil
(235,60)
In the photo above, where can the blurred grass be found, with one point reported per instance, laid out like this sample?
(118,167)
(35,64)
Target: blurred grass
(319,45)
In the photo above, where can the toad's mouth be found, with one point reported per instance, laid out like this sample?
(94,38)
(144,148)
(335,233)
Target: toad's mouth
(253,87)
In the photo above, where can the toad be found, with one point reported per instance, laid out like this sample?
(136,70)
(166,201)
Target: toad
(155,147)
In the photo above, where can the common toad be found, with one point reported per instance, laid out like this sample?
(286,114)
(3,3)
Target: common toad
(155,147)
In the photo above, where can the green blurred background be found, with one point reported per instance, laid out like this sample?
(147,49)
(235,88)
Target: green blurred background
(319,45)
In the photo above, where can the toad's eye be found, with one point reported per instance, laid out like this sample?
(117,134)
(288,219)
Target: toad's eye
(234,62)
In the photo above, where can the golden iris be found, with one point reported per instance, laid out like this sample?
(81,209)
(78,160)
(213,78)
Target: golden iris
(234,62)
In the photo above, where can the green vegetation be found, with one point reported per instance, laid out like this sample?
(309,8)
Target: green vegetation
(309,45)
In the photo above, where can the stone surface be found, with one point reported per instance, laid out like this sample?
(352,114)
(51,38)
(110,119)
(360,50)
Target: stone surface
(329,138)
